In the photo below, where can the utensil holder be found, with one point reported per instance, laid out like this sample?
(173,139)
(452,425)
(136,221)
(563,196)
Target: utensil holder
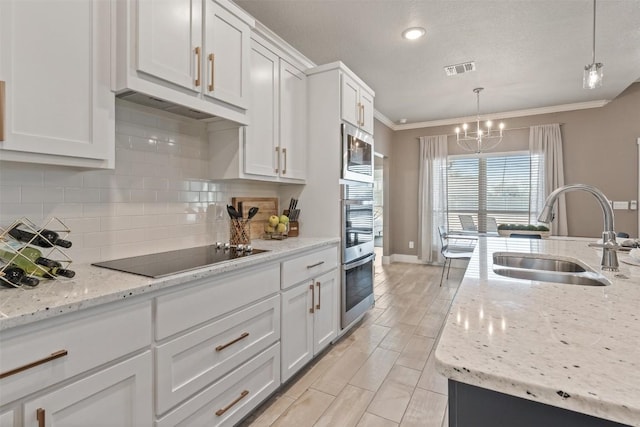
(240,231)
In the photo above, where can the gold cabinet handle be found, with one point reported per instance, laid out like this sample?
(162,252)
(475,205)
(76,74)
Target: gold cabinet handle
(315,265)
(2,106)
(212,62)
(277,159)
(40,417)
(319,296)
(52,356)
(313,298)
(198,65)
(284,169)
(244,393)
(358,112)
(241,337)
(362,109)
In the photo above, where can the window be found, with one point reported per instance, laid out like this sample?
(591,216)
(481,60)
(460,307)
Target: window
(490,187)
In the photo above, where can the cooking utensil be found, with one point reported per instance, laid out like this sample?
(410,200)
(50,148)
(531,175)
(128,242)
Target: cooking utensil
(252,212)
(233,213)
(240,210)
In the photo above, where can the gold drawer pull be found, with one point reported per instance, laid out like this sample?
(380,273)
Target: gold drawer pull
(40,417)
(313,299)
(199,65)
(52,356)
(319,296)
(315,265)
(212,60)
(230,405)
(241,337)
(2,106)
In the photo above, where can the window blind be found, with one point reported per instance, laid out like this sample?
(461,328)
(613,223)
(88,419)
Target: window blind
(492,188)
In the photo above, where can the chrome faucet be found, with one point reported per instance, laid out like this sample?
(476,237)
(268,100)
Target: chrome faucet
(609,245)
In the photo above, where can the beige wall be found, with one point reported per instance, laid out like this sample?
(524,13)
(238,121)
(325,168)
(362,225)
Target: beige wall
(599,149)
(383,138)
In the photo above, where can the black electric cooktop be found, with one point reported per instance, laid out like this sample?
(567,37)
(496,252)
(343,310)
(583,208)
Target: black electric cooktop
(172,262)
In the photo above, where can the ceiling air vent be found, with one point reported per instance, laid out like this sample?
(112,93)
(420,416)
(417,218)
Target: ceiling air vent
(465,67)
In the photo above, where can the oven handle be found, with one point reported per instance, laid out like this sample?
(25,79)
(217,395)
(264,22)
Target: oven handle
(359,262)
(357,202)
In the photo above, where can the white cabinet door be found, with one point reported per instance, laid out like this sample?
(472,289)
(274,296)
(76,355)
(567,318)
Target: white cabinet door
(7,418)
(366,102)
(55,60)
(297,329)
(293,122)
(325,322)
(260,156)
(117,396)
(226,56)
(169,31)
(350,107)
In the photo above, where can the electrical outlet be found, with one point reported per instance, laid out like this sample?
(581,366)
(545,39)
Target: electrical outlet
(633,205)
(623,206)
(410,244)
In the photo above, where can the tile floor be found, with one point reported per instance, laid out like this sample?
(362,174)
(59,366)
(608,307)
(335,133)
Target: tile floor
(382,373)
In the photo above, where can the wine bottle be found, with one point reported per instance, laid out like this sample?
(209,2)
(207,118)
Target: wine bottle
(45,238)
(25,257)
(15,276)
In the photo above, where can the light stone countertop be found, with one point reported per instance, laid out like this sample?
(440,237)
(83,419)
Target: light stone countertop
(93,286)
(574,347)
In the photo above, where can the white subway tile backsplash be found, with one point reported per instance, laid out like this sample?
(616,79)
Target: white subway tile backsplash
(81,195)
(42,194)
(158,197)
(9,194)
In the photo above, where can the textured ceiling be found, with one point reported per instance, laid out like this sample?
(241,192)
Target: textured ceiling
(528,53)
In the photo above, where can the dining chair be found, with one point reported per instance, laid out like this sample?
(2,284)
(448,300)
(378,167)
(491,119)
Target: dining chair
(467,223)
(461,248)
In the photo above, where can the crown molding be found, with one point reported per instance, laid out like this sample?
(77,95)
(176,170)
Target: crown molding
(505,115)
(383,119)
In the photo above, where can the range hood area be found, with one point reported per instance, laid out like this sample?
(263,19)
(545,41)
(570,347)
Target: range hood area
(161,104)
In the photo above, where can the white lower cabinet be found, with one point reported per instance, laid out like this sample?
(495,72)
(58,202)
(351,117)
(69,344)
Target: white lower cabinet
(191,362)
(116,396)
(309,321)
(231,398)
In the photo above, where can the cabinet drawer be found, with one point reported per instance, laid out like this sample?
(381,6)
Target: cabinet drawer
(193,361)
(233,397)
(90,338)
(211,298)
(307,266)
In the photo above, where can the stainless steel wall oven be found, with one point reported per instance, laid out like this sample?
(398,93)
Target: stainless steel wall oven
(357,154)
(357,251)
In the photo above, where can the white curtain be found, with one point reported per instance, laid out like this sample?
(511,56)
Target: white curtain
(545,145)
(432,191)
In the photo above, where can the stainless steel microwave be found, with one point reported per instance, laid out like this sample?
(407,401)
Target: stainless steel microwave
(357,154)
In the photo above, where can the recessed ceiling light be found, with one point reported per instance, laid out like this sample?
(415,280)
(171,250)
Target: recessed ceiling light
(402,121)
(413,33)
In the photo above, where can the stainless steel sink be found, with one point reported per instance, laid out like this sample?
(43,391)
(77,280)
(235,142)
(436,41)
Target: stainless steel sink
(545,269)
(535,263)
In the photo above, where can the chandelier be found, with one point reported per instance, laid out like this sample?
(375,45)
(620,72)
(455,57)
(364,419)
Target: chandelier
(592,77)
(479,140)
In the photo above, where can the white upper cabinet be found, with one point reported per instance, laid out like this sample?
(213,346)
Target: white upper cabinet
(227,56)
(189,57)
(274,146)
(261,153)
(55,62)
(170,40)
(356,104)
(293,122)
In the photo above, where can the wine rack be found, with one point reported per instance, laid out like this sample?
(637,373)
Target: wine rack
(54,253)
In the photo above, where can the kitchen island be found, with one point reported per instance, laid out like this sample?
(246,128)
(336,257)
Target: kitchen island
(532,353)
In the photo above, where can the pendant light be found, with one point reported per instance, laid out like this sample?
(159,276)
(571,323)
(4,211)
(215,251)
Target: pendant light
(592,77)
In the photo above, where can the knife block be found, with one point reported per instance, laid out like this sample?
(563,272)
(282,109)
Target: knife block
(294,228)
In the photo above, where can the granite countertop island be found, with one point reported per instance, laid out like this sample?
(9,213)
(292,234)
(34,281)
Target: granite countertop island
(567,346)
(93,286)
